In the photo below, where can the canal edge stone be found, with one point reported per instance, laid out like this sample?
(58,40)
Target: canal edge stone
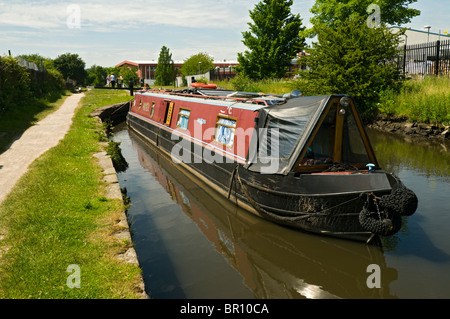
(113,191)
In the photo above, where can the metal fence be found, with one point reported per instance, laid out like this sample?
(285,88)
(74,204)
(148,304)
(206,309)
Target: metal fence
(431,58)
(220,74)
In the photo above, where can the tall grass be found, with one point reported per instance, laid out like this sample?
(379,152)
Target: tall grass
(424,100)
(268,86)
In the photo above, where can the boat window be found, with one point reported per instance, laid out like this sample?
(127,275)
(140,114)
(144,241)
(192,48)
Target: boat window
(152,109)
(183,118)
(353,149)
(320,151)
(225,128)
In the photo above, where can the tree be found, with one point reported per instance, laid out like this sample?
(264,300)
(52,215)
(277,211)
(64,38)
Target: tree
(96,75)
(328,12)
(129,73)
(199,63)
(353,59)
(164,73)
(71,67)
(273,40)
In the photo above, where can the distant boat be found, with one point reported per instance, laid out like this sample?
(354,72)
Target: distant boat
(300,161)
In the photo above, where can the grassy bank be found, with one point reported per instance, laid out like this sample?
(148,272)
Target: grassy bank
(58,216)
(420,100)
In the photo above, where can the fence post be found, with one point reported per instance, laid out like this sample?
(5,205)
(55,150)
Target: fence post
(404,61)
(436,69)
(130,86)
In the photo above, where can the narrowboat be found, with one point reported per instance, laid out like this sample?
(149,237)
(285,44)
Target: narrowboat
(303,162)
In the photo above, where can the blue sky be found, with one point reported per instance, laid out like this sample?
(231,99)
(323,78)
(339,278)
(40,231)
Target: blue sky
(107,32)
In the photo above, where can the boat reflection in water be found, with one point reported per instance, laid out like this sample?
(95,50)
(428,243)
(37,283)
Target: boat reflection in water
(275,261)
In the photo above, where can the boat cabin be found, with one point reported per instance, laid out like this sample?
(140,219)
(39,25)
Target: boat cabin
(300,134)
(315,133)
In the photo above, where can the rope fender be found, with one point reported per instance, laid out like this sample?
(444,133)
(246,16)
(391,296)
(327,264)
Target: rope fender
(382,215)
(378,224)
(401,200)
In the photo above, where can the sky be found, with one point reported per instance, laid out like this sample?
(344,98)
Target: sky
(106,33)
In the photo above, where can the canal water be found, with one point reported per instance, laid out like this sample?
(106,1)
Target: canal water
(192,243)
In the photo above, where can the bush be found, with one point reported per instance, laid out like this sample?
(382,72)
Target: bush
(19,86)
(353,59)
(14,83)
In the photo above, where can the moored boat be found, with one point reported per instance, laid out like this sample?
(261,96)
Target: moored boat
(300,161)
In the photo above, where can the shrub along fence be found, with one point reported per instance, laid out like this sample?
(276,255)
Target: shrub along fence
(21,80)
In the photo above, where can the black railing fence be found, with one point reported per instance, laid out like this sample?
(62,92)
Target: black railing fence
(220,74)
(431,58)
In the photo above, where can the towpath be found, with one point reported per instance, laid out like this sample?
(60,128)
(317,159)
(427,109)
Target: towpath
(34,142)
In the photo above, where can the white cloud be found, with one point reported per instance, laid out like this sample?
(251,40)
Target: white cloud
(115,14)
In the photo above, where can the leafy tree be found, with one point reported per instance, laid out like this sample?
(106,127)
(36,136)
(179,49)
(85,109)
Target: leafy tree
(164,73)
(199,63)
(328,12)
(71,67)
(353,59)
(96,75)
(129,73)
(273,40)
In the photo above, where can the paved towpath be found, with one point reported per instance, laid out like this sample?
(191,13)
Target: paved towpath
(34,142)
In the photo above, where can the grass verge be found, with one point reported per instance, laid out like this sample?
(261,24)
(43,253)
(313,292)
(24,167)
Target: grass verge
(424,100)
(58,216)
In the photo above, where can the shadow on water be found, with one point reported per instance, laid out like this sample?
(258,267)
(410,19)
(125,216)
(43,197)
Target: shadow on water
(232,254)
(423,247)
(419,162)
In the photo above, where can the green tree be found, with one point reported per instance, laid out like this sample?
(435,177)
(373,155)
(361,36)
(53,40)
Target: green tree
(129,73)
(164,73)
(353,59)
(96,76)
(328,12)
(273,40)
(71,67)
(199,63)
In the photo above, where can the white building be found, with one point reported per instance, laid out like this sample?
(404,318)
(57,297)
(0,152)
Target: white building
(413,36)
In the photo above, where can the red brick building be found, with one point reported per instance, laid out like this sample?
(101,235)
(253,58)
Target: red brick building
(146,69)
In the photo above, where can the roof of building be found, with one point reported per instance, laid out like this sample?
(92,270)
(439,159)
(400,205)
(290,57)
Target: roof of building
(137,63)
(414,36)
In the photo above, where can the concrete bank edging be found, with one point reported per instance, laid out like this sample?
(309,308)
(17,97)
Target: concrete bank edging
(113,191)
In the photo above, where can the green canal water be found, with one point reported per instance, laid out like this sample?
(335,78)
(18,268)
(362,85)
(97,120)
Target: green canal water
(192,243)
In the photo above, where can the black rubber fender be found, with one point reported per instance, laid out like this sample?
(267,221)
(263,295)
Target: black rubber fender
(401,200)
(370,221)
